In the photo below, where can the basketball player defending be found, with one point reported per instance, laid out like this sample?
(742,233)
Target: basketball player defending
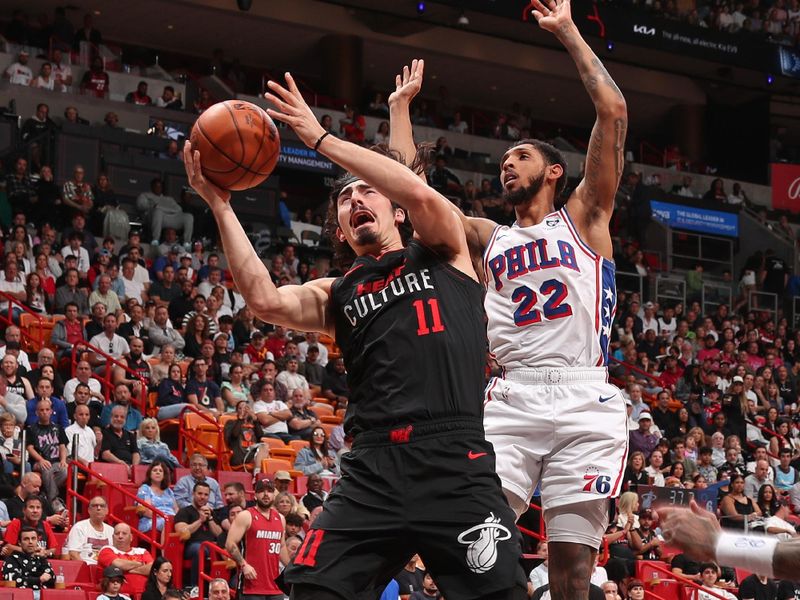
(552,417)
(698,534)
(420,476)
(262,528)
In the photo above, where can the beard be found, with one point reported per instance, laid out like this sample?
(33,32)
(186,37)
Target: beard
(263,503)
(366,237)
(525,193)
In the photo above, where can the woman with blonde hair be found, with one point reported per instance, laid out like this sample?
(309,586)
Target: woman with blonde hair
(627,507)
(151,448)
(286,503)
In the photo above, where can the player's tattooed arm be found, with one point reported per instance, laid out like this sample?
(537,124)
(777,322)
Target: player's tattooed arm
(604,159)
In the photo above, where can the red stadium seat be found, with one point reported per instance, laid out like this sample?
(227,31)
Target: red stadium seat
(16,594)
(666,589)
(62,594)
(246,479)
(646,572)
(139,473)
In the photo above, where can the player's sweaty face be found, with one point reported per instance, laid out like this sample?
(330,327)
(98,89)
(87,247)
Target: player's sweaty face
(363,214)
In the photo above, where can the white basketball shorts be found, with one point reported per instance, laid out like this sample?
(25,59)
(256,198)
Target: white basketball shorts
(563,429)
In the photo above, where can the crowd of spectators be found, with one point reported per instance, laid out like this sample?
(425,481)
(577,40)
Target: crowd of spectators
(713,407)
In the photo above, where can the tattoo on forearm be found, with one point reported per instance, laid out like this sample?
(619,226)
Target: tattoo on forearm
(603,73)
(620,129)
(594,163)
(236,555)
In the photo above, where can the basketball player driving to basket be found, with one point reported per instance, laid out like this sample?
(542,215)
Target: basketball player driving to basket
(407,315)
(553,418)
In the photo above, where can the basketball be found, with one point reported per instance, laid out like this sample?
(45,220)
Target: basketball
(238,143)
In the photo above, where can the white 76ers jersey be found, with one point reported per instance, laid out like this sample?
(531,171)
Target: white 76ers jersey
(550,299)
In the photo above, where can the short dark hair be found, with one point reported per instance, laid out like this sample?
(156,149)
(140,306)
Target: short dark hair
(200,484)
(27,529)
(33,498)
(551,155)
(235,485)
(343,254)
(705,450)
(295,519)
(709,565)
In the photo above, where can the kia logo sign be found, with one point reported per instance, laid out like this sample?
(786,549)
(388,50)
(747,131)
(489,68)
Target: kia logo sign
(644,30)
(794,189)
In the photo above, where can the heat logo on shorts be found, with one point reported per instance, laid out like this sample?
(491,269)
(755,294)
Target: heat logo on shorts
(482,542)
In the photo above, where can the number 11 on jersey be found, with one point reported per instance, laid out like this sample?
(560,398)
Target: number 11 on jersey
(422,317)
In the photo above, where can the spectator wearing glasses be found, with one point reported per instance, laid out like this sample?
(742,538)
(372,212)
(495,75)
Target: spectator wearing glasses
(316,457)
(87,537)
(108,342)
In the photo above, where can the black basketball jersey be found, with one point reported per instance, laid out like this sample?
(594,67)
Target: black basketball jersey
(412,332)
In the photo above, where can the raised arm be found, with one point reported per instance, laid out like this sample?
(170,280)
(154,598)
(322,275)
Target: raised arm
(401,138)
(592,203)
(303,307)
(435,224)
(401,133)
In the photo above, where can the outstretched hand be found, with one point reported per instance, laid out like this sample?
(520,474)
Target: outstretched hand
(693,530)
(293,110)
(408,83)
(552,15)
(212,194)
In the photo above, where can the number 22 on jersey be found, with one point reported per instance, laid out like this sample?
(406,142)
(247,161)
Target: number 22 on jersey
(554,307)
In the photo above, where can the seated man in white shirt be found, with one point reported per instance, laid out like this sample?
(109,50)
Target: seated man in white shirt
(312,339)
(108,342)
(291,378)
(709,573)
(86,538)
(13,284)
(74,247)
(83,374)
(87,438)
(272,414)
(133,287)
(13,334)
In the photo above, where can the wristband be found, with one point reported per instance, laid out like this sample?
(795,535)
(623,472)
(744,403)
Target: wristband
(751,552)
(319,140)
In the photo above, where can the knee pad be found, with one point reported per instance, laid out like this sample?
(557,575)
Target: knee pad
(579,523)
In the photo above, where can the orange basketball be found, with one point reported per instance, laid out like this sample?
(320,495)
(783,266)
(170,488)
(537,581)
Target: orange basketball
(238,142)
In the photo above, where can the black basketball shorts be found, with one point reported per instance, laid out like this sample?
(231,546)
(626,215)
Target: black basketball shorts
(424,488)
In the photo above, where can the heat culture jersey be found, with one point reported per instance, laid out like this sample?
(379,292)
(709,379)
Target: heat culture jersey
(550,299)
(412,333)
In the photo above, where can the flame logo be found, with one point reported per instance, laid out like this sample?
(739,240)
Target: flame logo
(482,550)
